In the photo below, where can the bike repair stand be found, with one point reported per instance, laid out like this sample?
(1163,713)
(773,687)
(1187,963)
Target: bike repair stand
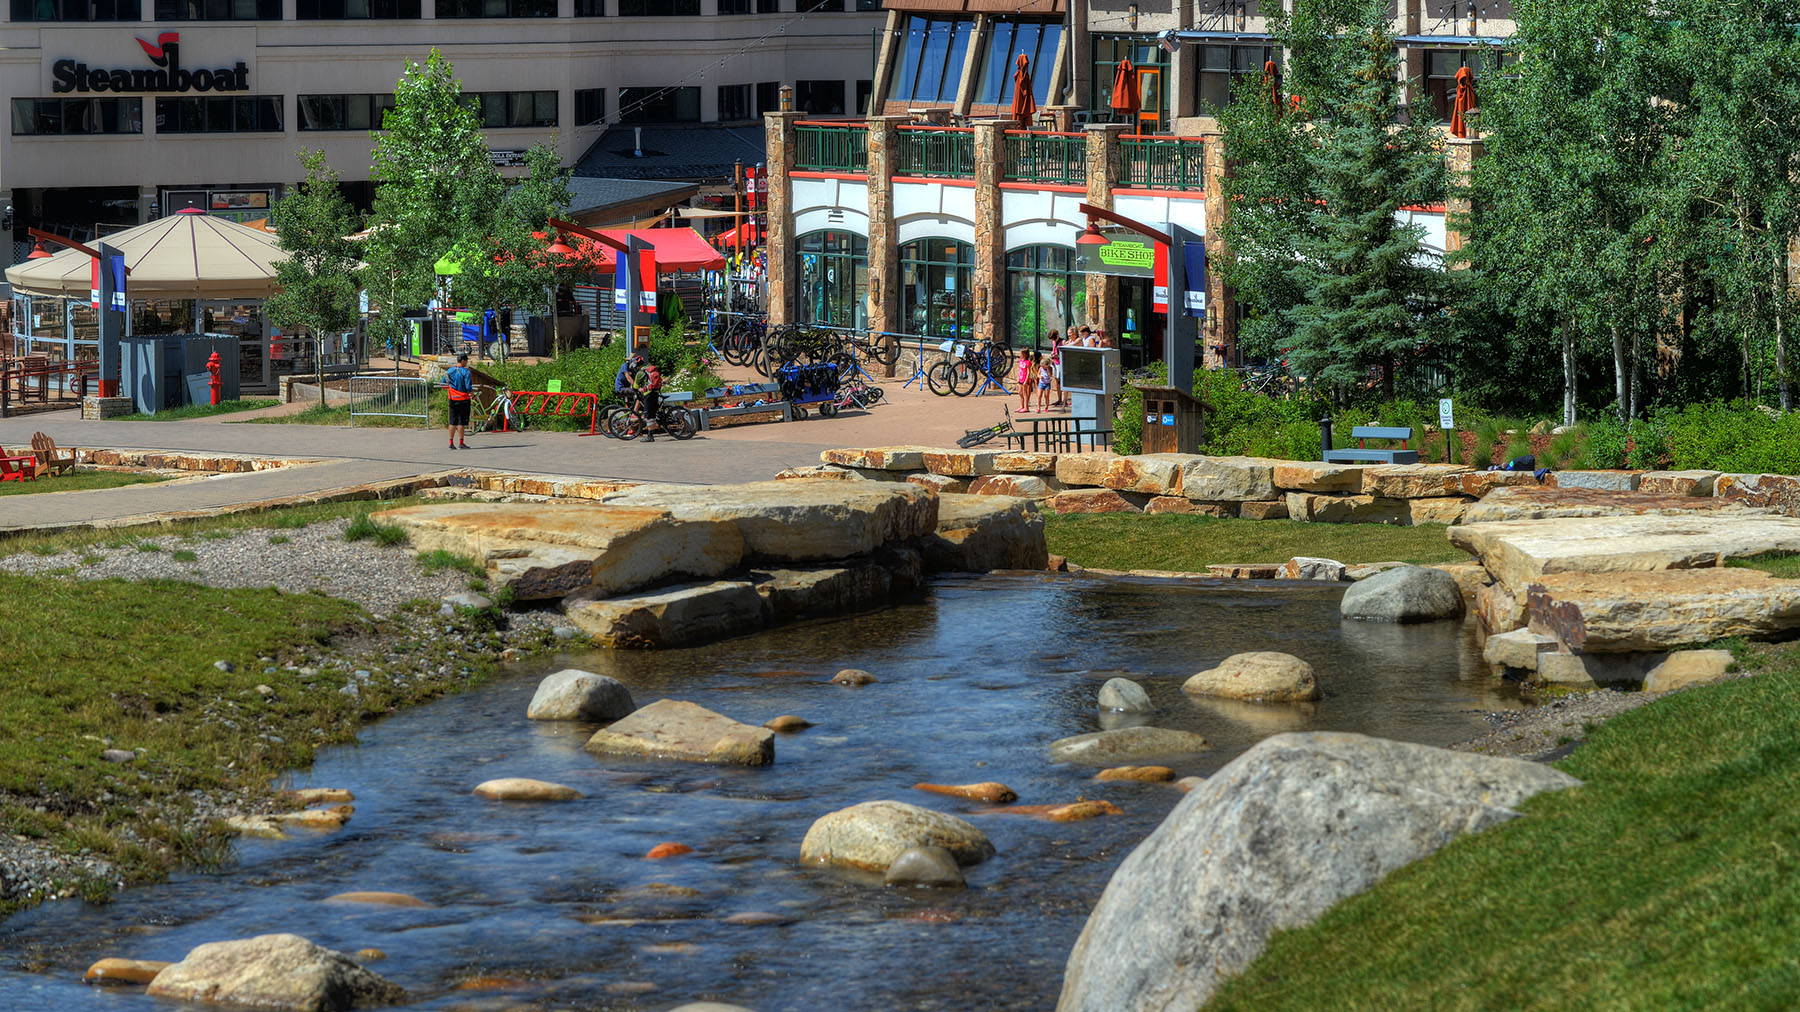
(987,375)
(918,373)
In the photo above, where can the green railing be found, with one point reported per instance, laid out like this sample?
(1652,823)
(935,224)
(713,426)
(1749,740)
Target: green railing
(941,151)
(1046,157)
(1161,163)
(832,147)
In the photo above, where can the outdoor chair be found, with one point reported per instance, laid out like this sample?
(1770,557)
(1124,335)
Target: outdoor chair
(49,457)
(17,468)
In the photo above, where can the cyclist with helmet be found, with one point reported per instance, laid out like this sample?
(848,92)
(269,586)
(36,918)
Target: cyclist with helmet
(647,381)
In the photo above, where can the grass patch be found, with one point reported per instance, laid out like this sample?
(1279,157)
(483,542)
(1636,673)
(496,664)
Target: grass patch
(1785,565)
(437,560)
(183,555)
(362,528)
(279,539)
(187,411)
(207,528)
(1666,882)
(339,414)
(1190,543)
(78,481)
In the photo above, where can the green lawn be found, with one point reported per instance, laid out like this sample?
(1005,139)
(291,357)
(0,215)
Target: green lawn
(1189,543)
(1785,565)
(78,481)
(1666,882)
(188,411)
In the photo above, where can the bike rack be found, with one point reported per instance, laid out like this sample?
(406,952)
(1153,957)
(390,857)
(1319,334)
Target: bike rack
(987,373)
(557,405)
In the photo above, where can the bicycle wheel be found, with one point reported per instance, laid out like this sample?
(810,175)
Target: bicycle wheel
(882,351)
(1000,361)
(613,421)
(678,422)
(963,378)
(938,379)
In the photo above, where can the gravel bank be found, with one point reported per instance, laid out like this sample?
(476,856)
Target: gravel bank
(1552,730)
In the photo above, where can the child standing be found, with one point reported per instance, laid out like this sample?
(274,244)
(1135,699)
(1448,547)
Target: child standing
(1054,365)
(1027,379)
(1043,384)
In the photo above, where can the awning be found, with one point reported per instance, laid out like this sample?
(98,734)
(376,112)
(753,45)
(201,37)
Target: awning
(677,249)
(1452,41)
(183,256)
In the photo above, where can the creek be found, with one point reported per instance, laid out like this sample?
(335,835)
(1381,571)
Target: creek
(553,906)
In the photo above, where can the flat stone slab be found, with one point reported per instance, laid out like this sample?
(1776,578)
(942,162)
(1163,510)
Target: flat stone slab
(1317,476)
(1639,612)
(1227,479)
(1678,482)
(1150,473)
(1127,744)
(1778,492)
(1019,486)
(677,729)
(789,594)
(959,463)
(1413,481)
(1607,481)
(799,520)
(1096,500)
(878,458)
(1024,462)
(677,616)
(1084,468)
(979,533)
(1549,502)
(1338,508)
(1519,552)
(1518,649)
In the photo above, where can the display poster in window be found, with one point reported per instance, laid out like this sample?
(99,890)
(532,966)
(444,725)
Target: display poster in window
(239,200)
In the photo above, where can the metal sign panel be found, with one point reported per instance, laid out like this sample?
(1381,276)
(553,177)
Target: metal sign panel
(1127,254)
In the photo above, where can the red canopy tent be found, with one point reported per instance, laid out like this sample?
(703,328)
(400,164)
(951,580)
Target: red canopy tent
(744,234)
(677,249)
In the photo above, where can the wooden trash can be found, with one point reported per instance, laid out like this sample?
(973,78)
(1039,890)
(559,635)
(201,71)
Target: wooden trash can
(1174,420)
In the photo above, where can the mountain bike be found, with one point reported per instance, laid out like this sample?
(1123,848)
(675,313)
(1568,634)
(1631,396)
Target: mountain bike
(976,437)
(492,408)
(626,422)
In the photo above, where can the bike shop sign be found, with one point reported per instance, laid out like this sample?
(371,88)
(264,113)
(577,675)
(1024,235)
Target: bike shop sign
(215,60)
(1127,254)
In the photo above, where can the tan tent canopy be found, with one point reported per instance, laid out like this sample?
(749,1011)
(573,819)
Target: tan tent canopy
(182,256)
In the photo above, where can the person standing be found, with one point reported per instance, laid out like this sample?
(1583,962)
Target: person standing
(459,386)
(1026,377)
(1055,367)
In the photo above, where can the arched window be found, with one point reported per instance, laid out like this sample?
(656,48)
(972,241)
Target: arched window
(833,267)
(937,280)
(1044,293)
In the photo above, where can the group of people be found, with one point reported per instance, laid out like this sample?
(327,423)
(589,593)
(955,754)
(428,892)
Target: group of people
(640,382)
(1040,373)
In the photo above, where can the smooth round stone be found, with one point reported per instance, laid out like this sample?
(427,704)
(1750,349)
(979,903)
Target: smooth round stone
(1141,774)
(709,1006)
(318,795)
(853,677)
(990,791)
(788,724)
(573,694)
(1403,594)
(873,834)
(662,850)
(525,789)
(758,919)
(370,955)
(1189,783)
(113,970)
(1124,695)
(925,866)
(378,899)
(1262,676)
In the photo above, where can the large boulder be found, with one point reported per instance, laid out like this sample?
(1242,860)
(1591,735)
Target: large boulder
(676,729)
(1542,502)
(1123,745)
(1780,492)
(874,834)
(1228,479)
(551,550)
(879,458)
(1413,481)
(1149,473)
(978,533)
(676,616)
(789,594)
(573,694)
(1403,594)
(1084,468)
(799,521)
(275,972)
(1125,696)
(1518,552)
(1290,827)
(1317,476)
(1636,612)
(1263,676)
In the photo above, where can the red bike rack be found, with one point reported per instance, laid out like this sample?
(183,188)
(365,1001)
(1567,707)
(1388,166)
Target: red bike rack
(558,405)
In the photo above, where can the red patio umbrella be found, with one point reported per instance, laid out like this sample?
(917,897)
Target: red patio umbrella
(1465,101)
(1024,105)
(1125,99)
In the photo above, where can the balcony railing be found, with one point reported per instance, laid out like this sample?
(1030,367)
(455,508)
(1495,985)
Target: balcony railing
(1161,163)
(1035,157)
(832,147)
(947,152)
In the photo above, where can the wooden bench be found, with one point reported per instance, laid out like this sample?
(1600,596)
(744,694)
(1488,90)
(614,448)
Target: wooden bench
(1360,454)
(703,407)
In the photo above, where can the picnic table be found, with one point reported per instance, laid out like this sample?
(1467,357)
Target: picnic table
(1058,433)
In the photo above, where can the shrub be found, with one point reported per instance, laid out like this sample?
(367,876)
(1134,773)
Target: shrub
(1604,446)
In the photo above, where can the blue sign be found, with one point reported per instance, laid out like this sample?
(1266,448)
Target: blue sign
(1193,259)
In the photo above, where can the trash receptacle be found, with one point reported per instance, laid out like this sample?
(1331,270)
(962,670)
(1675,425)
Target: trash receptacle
(1174,420)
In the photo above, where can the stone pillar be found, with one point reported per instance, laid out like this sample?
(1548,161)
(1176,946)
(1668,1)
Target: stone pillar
(1219,331)
(1102,177)
(884,245)
(783,145)
(1459,154)
(990,230)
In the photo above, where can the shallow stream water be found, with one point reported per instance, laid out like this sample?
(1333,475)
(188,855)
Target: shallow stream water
(553,906)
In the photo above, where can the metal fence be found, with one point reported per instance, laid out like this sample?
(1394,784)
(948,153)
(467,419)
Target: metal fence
(833,147)
(936,151)
(1046,157)
(383,396)
(1161,163)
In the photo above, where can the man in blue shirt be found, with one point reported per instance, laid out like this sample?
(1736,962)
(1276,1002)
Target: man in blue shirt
(459,386)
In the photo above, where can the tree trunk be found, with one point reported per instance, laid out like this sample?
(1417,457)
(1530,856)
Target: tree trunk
(1781,306)
(1568,363)
(1621,375)
(319,366)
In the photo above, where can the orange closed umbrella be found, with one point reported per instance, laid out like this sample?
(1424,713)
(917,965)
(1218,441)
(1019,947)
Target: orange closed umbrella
(1465,101)
(1024,105)
(1125,100)
(1272,74)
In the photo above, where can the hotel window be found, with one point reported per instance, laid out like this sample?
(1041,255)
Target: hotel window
(41,117)
(833,267)
(343,112)
(1221,67)
(931,59)
(590,106)
(1441,66)
(768,97)
(76,10)
(936,281)
(590,8)
(768,6)
(735,7)
(819,98)
(864,89)
(1038,41)
(659,105)
(496,8)
(218,10)
(356,10)
(1044,293)
(734,103)
(260,114)
(1152,66)
(515,108)
(659,8)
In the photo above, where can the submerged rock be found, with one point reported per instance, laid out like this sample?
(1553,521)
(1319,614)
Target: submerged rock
(573,694)
(114,970)
(1264,676)
(874,834)
(1125,744)
(787,724)
(925,866)
(853,678)
(1124,695)
(525,789)
(1404,594)
(676,729)
(275,972)
(989,791)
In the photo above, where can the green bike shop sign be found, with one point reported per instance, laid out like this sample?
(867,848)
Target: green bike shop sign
(1126,254)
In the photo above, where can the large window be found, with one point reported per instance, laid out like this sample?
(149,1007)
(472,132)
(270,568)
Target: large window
(356,10)
(1441,66)
(590,8)
(659,8)
(1036,40)
(515,108)
(659,105)
(931,59)
(261,114)
(735,6)
(734,103)
(833,267)
(768,97)
(42,117)
(1221,67)
(1152,68)
(496,8)
(936,278)
(1044,293)
(590,106)
(343,112)
(76,10)
(218,10)
(819,98)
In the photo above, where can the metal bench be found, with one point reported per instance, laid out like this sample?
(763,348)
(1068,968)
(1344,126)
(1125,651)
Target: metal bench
(1360,454)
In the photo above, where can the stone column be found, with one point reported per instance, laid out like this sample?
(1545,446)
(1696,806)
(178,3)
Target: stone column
(1102,178)
(783,145)
(884,245)
(990,230)
(1459,155)
(1220,328)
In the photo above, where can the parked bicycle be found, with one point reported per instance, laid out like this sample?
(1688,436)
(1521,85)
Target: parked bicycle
(961,374)
(624,421)
(976,437)
(492,408)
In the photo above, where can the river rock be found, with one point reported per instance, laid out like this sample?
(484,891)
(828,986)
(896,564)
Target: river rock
(525,789)
(1127,744)
(1405,594)
(799,521)
(787,724)
(677,729)
(379,899)
(1545,502)
(682,615)
(1518,649)
(551,550)
(573,694)
(1518,552)
(1271,841)
(874,834)
(1303,567)
(275,972)
(317,795)
(1688,667)
(978,533)
(1265,676)
(789,594)
(710,1006)
(989,791)
(113,970)
(1124,695)
(924,866)
(854,678)
(1137,774)
(1636,612)
(1074,811)
(316,818)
